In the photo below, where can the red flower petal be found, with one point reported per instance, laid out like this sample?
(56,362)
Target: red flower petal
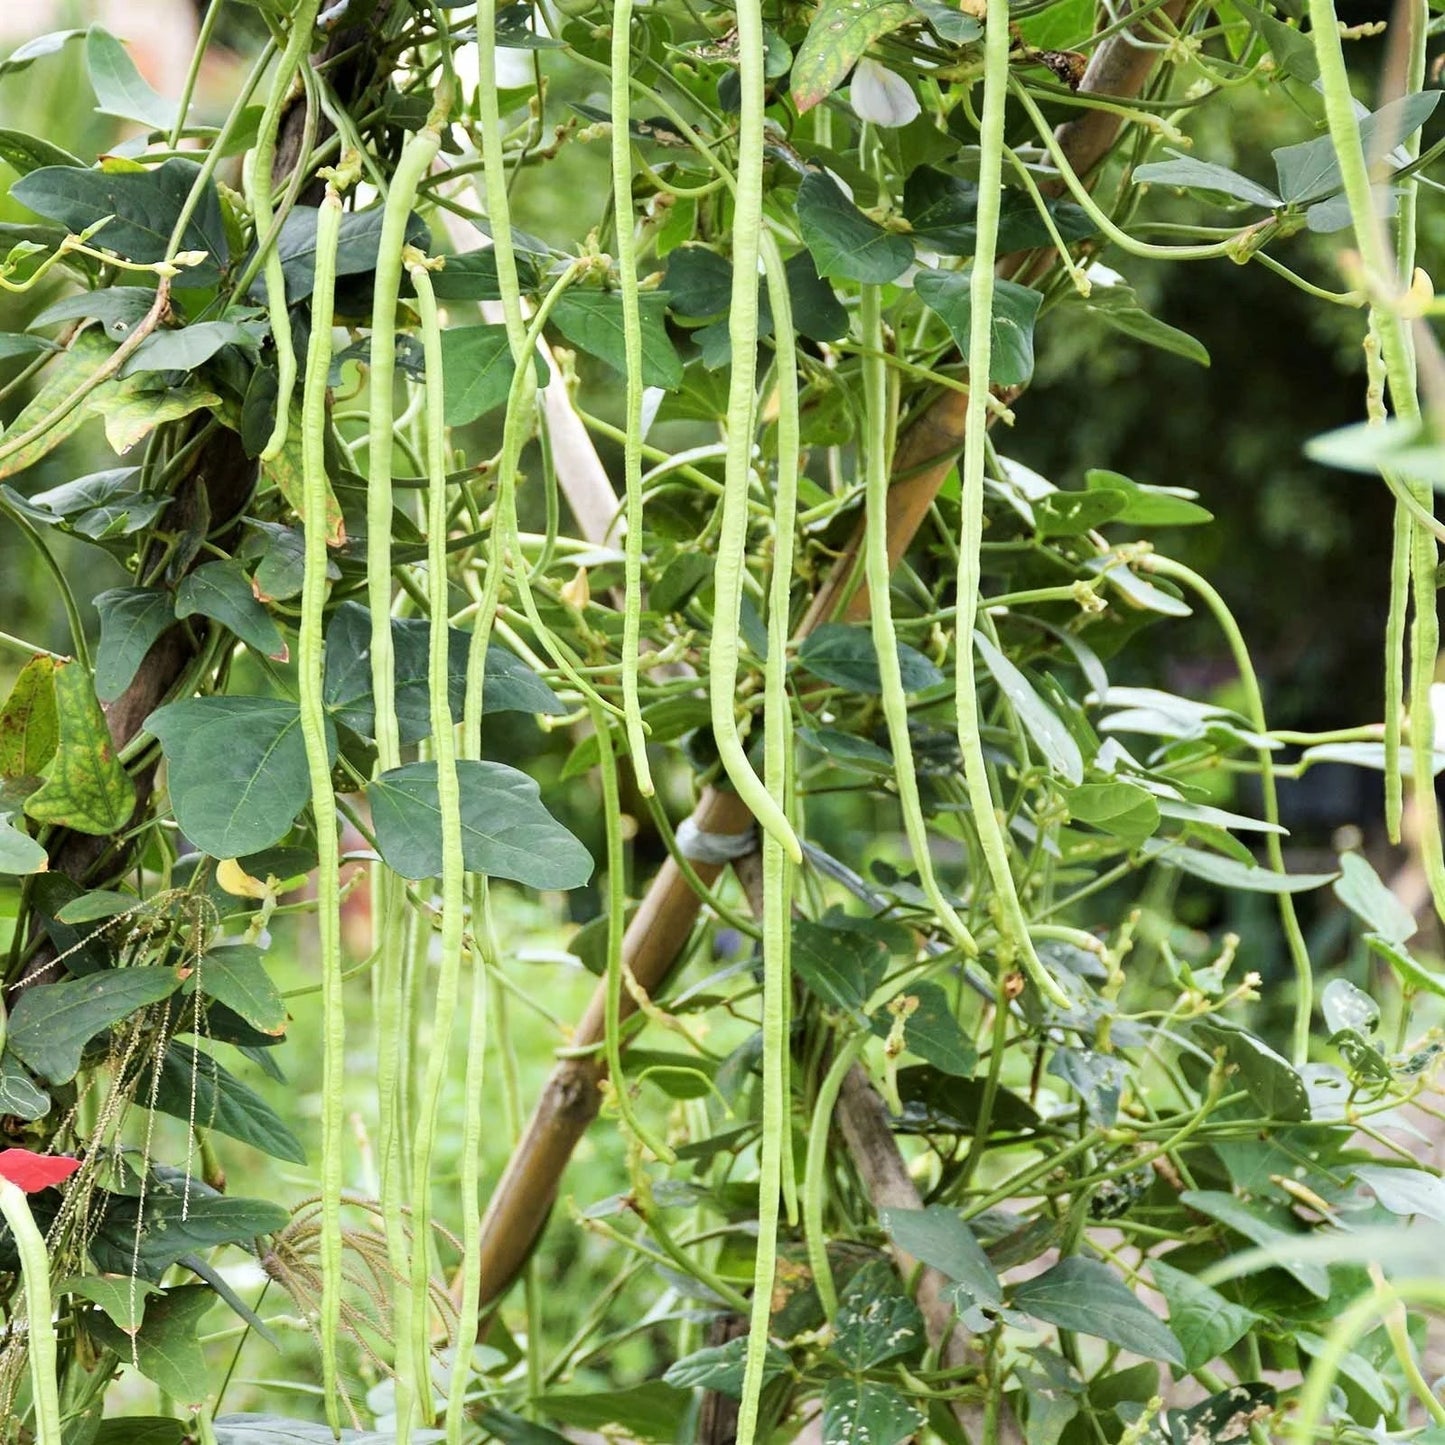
(33,1172)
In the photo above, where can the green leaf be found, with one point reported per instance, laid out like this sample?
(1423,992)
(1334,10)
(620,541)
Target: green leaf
(1052,738)
(19,1095)
(29,727)
(184,348)
(64,374)
(592,322)
(506,831)
(875,1320)
(844,655)
(1195,175)
(949,23)
(1086,1296)
(20,854)
(842,966)
(839,34)
(222,591)
(138,405)
(653,1411)
(939,1238)
(1373,447)
(1098,1079)
(943,212)
(842,240)
(85,787)
(357,246)
(1405,1191)
(144,207)
(236,976)
(166,1348)
(478,370)
(931,1031)
(1366,895)
(847,750)
(1229,873)
(33,50)
(132,619)
(1204,1322)
(25,153)
(237,769)
(194,1087)
(1015,308)
(1224,1418)
(720,1368)
(1146,506)
(1123,809)
(14,344)
(121,1297)
(472,276)
(51,1023)
(117,308)
(1269,1226)
(179,1221)
(1311,169)
(119,87)
(502,1425)
(1412,973)
(509,684)
(1072,514)
(1269,1080)
(1118,308)
(859,1412)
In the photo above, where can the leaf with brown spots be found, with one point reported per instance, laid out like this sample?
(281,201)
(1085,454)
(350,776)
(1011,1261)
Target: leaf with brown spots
(28,731)
(840,34)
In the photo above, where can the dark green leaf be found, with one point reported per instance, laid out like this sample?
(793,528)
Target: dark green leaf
(506,831)
(144,206)
(943,211)
(472,276)
(1267,1225)
(166,1348)
(592,322)
(194,1087)
(930,1029)
(842,966)
(14,343)
(1204,1322)
(875,1320)
(85,787)
(1086,1296)
(939,1238)
(843,654)
(478,370)
(509,684)
(1015,308)
(839,34)
(356,250)
(1225,1418)
(237,977)
(859,1412)
(222,591)
(237,770)
(141,1430)
(948,22)
(131,620)
(25,153)
(720,1368)
(178,1222)
(51,1024)
(187,347)
(119,87)
(1118,308)
(843,241)
(118,308)
(817,312)
(1311,169)
(1269,1079)
(1098,1079)
(653,1411)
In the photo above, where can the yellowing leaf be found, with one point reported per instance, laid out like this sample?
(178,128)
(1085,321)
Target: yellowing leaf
(136,406)
(840,33)
(85,787)
(63,376)
(27,721)
(283,471)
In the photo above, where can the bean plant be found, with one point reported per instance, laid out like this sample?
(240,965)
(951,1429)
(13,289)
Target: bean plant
(936,1123)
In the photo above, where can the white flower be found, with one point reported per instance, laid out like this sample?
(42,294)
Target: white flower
(881,96)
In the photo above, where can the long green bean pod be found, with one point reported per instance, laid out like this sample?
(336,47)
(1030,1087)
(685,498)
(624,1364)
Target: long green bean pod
(263,158)
(416,158)
(632,341)
(449,805)
(738,471)
(980,346)
(876,446)
(323,800)
(39,1311)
